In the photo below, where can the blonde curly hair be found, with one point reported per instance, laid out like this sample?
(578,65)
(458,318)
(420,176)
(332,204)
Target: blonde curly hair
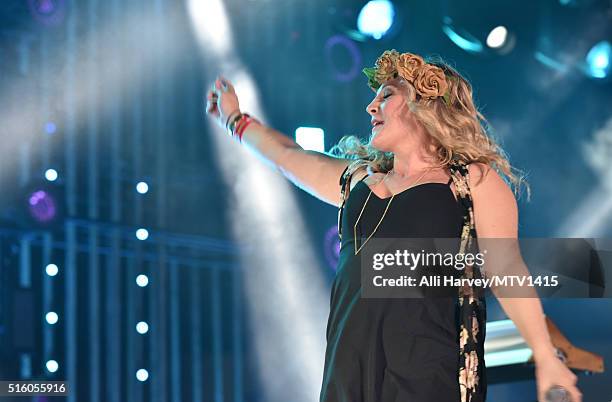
(457,130)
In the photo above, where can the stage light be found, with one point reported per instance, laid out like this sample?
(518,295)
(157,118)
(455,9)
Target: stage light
(51,269)
(52,366)
(48,12)
(44,6)
(50,128)
(210,20)
(51,174)
(497,37)
(344,46)
(142,375)
(332,247)
(51,317)
(142,327)
(142,187)
(461,38)
(142,234)
(552,63)
(142,280)
(262,231)
(591,217)
(42,206)
(598,60)
(310,138)
(376,18)
(576,3)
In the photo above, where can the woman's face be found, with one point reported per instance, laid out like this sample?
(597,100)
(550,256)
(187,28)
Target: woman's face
(390,106)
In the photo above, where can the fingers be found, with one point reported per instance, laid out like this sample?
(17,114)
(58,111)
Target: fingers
(211,108)
(213,95)
(223,84)
(575,393)
(220,85)
(211,103)
(573,390)
(213,92)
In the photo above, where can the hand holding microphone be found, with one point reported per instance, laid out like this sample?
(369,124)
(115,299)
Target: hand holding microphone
(557,394)
(555,381)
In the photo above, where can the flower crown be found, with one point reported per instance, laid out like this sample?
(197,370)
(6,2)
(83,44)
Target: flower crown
(428,80)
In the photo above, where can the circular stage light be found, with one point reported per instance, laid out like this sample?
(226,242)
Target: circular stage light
(332,247)
(52,366)
(376,18)
(42,206)
(47,12)
(142,375)
(598,60)
(333,46)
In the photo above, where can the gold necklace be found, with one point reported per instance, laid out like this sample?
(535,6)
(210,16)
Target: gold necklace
(357,250)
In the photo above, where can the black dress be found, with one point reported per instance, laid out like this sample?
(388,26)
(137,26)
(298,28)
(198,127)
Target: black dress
(393,350)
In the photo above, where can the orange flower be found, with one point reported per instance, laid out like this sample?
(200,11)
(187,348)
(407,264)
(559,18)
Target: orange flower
(386,65)
(429,81)
(407,64)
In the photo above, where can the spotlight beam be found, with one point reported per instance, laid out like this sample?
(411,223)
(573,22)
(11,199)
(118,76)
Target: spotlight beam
(19,101)
(287,298)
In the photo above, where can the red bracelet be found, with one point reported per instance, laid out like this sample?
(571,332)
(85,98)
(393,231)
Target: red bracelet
(243,127)
(242,124)
(238,127)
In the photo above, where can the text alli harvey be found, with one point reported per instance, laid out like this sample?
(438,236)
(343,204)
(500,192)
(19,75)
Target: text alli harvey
(449,280)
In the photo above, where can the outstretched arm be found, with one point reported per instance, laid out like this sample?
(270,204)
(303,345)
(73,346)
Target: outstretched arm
(315,172)
(496,216)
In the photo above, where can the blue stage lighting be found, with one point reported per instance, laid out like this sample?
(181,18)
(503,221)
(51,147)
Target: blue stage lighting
(142,327)
(598,60)
(142,234)
(51,269)
(142,375)
(50,127)
(51,174)
(51,317)
(142,187)
(142,280)
(310,138)
(376,18)
(52,366)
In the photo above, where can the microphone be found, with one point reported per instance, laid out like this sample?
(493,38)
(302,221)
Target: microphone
(557,393)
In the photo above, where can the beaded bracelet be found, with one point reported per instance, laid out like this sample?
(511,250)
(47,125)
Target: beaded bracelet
(232,122)
(235,115)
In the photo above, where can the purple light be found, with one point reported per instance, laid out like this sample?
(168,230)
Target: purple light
(42,206)
(50,127)
(47,12)
(45,6)
(332,247)
(343,42)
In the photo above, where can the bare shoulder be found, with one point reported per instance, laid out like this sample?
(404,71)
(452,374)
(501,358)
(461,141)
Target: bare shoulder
(485,179)
(359,172)
(495,206)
